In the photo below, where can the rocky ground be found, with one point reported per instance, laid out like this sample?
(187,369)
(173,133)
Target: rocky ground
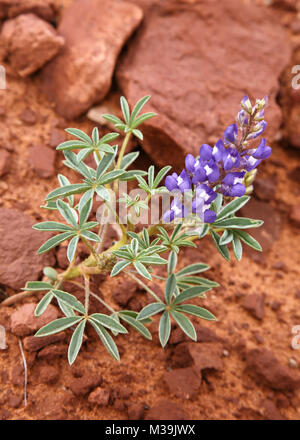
(197,58)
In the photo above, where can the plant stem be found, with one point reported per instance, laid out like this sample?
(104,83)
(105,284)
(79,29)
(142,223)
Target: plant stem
(140,282)
(87,292)
(122,151)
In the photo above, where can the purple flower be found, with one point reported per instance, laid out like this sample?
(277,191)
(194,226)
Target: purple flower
(201,208)
(242,118)
(258,129)
(231,159)
(248,162)
(190,163)
(205,193)
(246,104)
(212,170)
(199,175)
(262,151)
(205,152)
(177,211)
(182,182)
(218,151)
(232,185)
(171,182)
(230,134)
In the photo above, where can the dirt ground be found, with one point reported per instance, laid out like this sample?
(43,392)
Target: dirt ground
(228,394)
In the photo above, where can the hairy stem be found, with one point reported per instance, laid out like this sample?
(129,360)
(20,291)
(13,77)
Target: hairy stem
(140,282)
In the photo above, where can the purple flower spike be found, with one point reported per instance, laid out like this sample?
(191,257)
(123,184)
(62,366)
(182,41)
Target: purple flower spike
(184,181)
(230,134)
(205,193)
(262,151)
(205,152)
(212,171)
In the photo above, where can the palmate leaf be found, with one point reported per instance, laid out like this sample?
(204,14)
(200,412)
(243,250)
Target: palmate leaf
(170,288)
(79,134)
(118,267)
(138,107)
(37,285)
(90,236)
(221,248)
(84,211)
(137,325)
(128,159)
(52,226)
(226,237)
(185,324)
(72,248)
(141,269)
(232,207)
(76,342)
(238,223)
(58,326)
(68,190)
(107,340)
(125,110)
(43,304)
(192,292)
(237,247)
(250,241)
(192,269)
(69,214)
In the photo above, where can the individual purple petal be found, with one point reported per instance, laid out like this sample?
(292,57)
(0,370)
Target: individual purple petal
(242,118)
(231,159)
(218,150)
(230,134)
(237,190)
(258,130)
(205,152)
(184,181)
(212,171)
(205,193)
(190,162)
(262,151)
(199,175)
(233,178)
(249,163)
(171,182)
(209,216)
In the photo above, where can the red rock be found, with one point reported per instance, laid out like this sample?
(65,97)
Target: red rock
(85,384)
(18,259)
(267,370)
(136,411)
(33,343)
(202,356)
(183,382)
(14,401)
(99,396)
(123,292)
(193,92)
(23,322)
(4,162)
(56,137)
(166,410)
(61,257)
(49,374)
(270,411)
(265,188)
(43,8)
(255,305)
(28,116)
(29,42)
(82,72)
(295,216)
(42,160)
(53,351)
(268,232)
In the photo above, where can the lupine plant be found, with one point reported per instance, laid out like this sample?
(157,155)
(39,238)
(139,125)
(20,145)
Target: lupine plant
(205,198)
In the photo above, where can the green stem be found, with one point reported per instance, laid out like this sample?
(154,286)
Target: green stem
(143,285)
(122,151)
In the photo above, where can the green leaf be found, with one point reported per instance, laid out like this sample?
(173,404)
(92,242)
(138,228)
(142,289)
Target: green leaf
(237,248)
(68,311)
(72,248)
(52,226)
(109,322)
(170,288)
(68,213)
(113,119)
(118,267)
(221,248)
(250,241)
(68,190)
(128,159)
(185,324)
(143,118)
(172,263)
(70,300)
(112,175)
(192,292)
(160,175)
(203,230)
(95,135)
(238,223)
(43,304)
(72,145)
(142,270)
(79,134)
(150,310)
(105,162)
(232,207)
(164,328)
(54,241)
(90,236)
(58,326)
(138,107)
(192,269)
(138,133)
(226,237)
(107,340)
(107,138)
(137,325)
(85,211)
(76,342)
(191,309)
(125,110)
(37,285)
(103,193)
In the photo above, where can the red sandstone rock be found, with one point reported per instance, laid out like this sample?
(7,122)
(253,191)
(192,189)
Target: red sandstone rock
(254,304)
(42,160)
(166,410)
(23,322)
(99,396)
(29,42)
(18,259)
(188,56)
(4,162)
(82,72)
(295,215)
(183,382)
(43,8)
